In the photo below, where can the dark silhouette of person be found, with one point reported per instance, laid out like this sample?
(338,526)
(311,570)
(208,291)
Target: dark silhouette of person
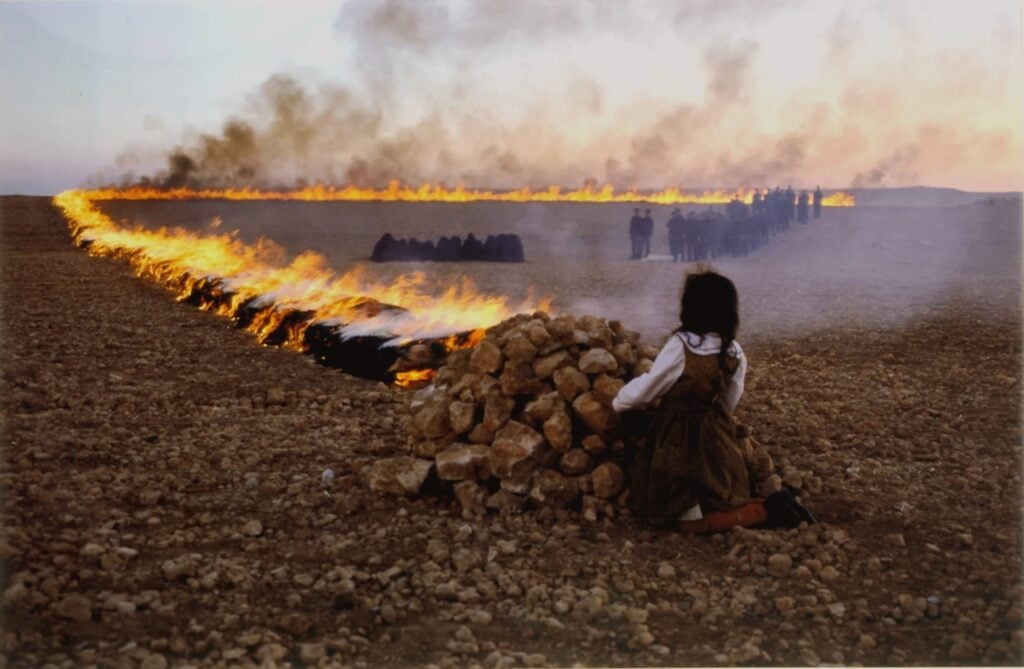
(801,207)
(817,202)
(676,235)
(472,248)
(383,249)
(636,225)
(646,232)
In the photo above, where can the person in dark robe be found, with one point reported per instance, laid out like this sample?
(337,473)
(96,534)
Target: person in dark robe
(676,243)
(817,202)
(383,248)
(472,248)
(646,232)
(801,207)
(636,225)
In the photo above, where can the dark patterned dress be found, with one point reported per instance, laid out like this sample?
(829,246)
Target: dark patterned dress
(691,453)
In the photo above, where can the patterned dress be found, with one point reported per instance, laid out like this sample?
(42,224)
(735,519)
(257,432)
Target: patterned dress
(691,453)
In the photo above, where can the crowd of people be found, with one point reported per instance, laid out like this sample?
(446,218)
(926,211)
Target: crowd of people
(496,248)
(739,230)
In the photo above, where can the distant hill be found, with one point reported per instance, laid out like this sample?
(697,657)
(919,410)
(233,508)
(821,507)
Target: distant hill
(925,196)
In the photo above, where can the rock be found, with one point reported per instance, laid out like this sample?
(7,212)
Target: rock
(91,550)
(540,409)
(535,660)
(810,657)
(597,361)
(549,364)
(311,653)
(497,411)
(486,357)
(895,540)
(402,475)
(596,416)
(665,570)
(75,607)
(962,649)
(154,661)
(520,349)
(606,388)
(432,419)
(570,382)
(553,489)
(608,480)
(779,564)
(784,603)
(770,485)
(253,528)
(624,354)
(829,574)
(558,431)
(516,450)
(480,435)
(642,366)
(505,500)
(866,641)
(427,449)
(574,462)
(518,379)
(276,397)
(462,462)
(295,623)
(460,416)
(270,653)
(472,496)
(594,444)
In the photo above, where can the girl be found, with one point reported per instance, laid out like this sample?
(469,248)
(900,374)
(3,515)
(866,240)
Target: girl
(692,462)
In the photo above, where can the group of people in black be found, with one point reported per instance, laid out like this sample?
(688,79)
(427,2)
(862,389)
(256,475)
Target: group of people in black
(739,230)
(496,248)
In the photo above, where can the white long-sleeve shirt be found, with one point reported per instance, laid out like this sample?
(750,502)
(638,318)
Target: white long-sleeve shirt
(668,367)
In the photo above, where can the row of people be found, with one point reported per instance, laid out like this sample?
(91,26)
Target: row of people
(496,248)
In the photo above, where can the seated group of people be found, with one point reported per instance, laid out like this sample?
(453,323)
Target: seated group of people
(496,248)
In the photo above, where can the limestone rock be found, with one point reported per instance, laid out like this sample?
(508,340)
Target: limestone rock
(570,382)
(574,462)
(431,419)
(558,431)
(402,475)
(597,361)
(596,416)
(75,607)
(486,357)
(540,409)
(460,416)
(497,410)
(516,450)
(520,349)
(608,480)
(471,495)
(462,462)
(552,488)
(518,379)
(549,364)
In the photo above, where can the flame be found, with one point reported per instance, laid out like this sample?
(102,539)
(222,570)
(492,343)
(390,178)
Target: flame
(398,192)
(415,378)
(279,299)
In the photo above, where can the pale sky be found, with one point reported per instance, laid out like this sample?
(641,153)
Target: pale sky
(501,94)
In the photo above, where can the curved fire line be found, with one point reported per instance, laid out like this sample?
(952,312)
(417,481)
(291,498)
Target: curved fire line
(394,332)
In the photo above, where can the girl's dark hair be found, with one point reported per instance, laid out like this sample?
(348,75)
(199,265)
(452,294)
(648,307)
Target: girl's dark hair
(710,304)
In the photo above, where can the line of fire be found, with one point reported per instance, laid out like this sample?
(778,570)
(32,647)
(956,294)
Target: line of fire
(399,332)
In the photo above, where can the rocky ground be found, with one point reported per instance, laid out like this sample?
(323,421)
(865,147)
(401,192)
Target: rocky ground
(165,503)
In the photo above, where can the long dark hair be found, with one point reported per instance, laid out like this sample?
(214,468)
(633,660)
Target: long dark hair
(710,304)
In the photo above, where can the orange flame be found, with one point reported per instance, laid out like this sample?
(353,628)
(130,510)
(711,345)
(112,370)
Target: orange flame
(415,378)
(284,297)
(398,192)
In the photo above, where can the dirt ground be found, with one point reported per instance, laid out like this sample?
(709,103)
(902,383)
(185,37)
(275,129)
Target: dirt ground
(164,503)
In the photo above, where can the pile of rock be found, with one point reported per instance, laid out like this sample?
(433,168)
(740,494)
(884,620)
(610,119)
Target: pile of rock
(526,415)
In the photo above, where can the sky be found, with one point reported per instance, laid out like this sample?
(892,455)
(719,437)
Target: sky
(490,93)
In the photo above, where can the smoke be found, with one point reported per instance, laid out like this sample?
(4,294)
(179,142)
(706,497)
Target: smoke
(498,95)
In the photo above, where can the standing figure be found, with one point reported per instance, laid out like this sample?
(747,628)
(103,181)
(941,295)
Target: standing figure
(817,202)
(636,225)
(647,231)
(801,207)
(676,240)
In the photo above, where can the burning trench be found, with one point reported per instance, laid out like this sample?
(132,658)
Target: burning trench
(399,332)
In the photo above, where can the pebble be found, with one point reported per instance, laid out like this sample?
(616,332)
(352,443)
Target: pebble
(253,528)
(779,564)
(665,570)
(829,574)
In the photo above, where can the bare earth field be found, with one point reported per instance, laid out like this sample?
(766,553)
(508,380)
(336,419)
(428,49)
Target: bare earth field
(163,500)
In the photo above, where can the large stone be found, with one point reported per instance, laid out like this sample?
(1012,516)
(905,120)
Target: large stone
(608,480)
(516,450)
(497,410)
(570,382)
(543,407)
(561,327)
(537,332)
(606,388)
(598,334)
(431,419)
(520,349)
(459,360)
(594,444)
(518,379)
(595,415)
(503,499)
(463,462)
(625,354)
(553,489)
(486,357)
(598,360)
(574,462)
(546,366)
(402,475)
(480,435)
(460,416)
(558,431)
(642,366)
(466,383)
(472,496)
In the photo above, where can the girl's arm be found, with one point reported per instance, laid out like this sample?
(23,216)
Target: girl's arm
(665,371)
(735,390)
